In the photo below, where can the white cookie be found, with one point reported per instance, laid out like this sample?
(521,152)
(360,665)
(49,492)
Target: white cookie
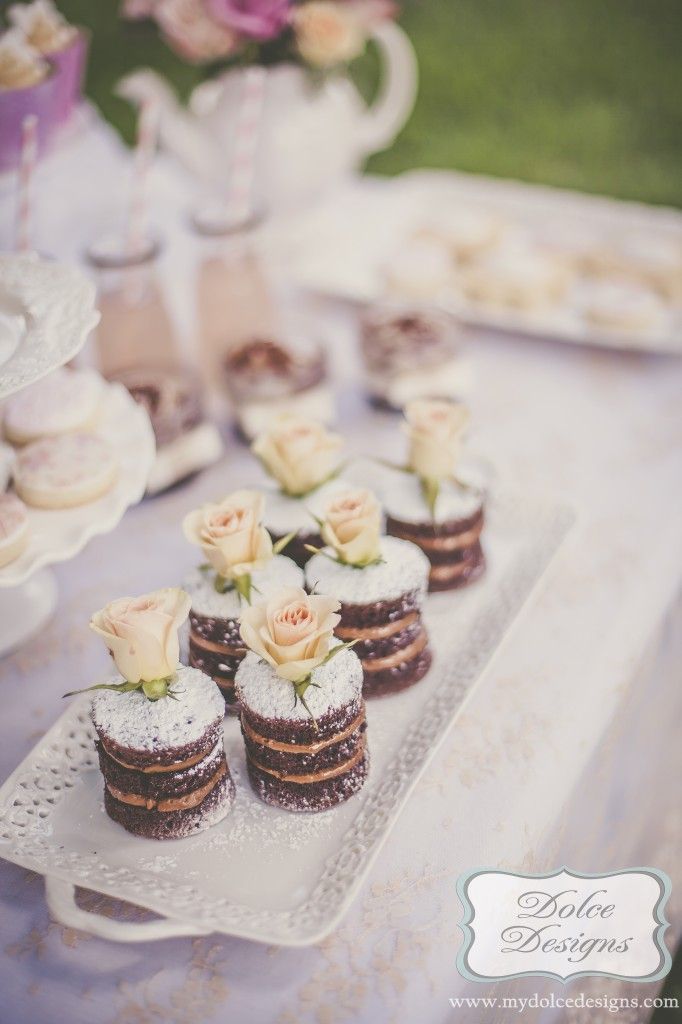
(60,472)
(519,278)
(13,528)
(63,402)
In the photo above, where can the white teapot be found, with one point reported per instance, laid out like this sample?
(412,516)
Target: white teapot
(310,135)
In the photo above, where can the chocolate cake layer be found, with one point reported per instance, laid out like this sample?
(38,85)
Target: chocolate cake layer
(378,613)
(214,665)
(158,784)
(430,530)
(303,730)
(318,796)
(458,574)
(306,758)
(296,548)
(386,647)
(399,677)
(169,755)
(216,631)
(174,824)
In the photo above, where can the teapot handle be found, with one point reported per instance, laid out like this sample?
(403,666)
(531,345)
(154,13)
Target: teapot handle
(398,90)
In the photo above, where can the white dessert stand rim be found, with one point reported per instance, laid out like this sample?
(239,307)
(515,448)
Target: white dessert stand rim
(47,310)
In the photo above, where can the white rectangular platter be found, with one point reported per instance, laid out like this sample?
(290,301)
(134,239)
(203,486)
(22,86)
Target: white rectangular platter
(263,873)
(342,248)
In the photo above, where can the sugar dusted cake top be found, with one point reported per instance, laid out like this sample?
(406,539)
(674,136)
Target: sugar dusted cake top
(403,500)
(336,684)
(404,569)
(131,720)
(279,572)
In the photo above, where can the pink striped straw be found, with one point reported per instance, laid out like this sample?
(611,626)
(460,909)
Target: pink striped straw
(145,148)
(247,132)
(27,163)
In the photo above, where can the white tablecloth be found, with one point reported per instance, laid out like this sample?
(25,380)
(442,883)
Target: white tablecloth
(568,753)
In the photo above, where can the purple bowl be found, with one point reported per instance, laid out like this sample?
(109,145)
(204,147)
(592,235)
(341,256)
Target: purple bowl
(15,105)
(69,69)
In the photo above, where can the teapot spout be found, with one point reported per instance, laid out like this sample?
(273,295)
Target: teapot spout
(179,131)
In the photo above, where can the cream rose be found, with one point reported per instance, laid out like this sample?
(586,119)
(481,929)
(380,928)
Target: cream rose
(435,431)
(299,453)
(352,527)
(292,632)
(231,534)
(328,33)
(142,633)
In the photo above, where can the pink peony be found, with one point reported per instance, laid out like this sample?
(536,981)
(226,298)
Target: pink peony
(258,19)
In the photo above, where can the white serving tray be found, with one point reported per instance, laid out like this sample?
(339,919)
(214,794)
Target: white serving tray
(263,873)
(58,534)
(342,248)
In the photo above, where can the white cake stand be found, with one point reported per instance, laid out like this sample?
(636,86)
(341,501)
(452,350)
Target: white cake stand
(46,313)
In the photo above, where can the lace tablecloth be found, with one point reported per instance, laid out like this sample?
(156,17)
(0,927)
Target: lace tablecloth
(564,756)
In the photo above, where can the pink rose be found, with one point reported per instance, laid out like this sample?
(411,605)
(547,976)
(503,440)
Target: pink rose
(258,19)
(190,30)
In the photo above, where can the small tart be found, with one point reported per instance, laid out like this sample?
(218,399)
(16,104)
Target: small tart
(62,472)
(64,402)
(14,530)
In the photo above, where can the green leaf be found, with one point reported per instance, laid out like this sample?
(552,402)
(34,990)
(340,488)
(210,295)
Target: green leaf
(222,585)
(320,551)
(392,465)
(430,489)
(280,544)
(243,586)
(300,687)
(118,687)
(337,650)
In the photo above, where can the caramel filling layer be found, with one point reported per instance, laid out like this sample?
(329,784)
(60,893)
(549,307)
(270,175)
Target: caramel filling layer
(209,645)
(321,776)
(449,572)
(303,748)
(451,543)
(224,684)
(177,803)
(157,769)
(406,654)
(375,632)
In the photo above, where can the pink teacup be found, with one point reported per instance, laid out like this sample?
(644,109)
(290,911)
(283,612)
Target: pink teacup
(69,69)
(15,105)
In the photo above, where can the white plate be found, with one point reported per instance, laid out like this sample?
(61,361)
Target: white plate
(59,534)
(342,248)
(47,310)
(263,873)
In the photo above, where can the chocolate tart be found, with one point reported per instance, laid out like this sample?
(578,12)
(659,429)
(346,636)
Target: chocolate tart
(215,645)
(451,540)
(163,762)
(296,761)
(381,609)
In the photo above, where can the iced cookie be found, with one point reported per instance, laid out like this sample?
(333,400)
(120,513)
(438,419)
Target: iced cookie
(518,278)
(13,528)
(60,472)
(64,402)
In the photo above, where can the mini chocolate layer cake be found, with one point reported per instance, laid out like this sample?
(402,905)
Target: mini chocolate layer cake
(215,645)
(451,540)
(381,607)
(296,761)
(163,762)
(411,352)
(284,514)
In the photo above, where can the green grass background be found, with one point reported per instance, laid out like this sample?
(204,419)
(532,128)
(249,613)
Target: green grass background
(584,94)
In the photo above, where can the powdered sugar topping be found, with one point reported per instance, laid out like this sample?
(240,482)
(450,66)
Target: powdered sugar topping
(279,572)
(403,569)
(403,499)
(284,514)
(130,720)
(261,690)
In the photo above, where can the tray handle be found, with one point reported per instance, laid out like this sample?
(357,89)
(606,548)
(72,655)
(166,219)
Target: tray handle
(60,896)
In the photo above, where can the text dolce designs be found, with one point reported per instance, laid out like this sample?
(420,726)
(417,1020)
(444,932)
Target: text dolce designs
(553,914)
